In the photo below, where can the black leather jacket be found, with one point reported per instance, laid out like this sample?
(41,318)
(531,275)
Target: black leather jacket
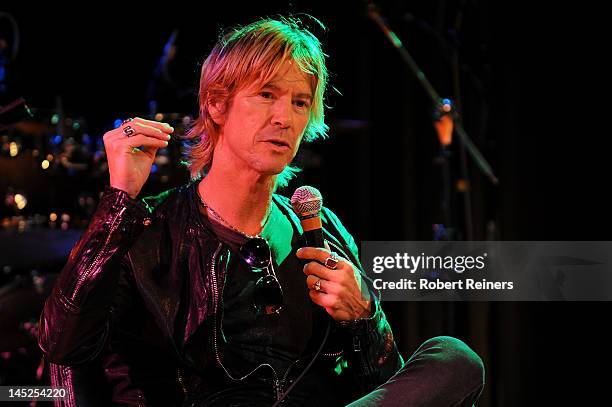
(130,299)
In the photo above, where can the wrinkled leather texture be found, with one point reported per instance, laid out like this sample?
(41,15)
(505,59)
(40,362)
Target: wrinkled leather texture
(137,298)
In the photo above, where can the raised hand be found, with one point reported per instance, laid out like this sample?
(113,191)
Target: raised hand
(130,151)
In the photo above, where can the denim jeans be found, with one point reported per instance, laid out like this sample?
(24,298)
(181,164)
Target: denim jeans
(442,372)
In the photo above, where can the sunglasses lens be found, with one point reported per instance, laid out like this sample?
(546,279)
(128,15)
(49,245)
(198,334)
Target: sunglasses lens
(268,296)
(256,253)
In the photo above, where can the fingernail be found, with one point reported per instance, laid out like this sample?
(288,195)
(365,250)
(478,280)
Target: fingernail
(166,142)
(169,137)
(298,251)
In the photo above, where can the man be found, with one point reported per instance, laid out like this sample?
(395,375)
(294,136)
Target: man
(200,295)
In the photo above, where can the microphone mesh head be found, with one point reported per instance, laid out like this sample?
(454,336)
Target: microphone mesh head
(306,201)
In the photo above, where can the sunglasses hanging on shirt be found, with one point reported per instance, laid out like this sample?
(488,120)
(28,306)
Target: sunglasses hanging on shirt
(268,294)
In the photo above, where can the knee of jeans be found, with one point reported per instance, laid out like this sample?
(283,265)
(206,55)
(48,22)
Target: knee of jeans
(457,357)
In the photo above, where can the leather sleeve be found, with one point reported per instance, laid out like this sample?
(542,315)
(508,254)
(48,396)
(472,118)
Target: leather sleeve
(75,322)
(370,352)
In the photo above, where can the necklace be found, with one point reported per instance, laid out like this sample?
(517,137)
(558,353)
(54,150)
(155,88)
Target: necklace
(229,225)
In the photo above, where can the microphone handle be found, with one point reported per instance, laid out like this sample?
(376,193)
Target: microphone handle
(314,238)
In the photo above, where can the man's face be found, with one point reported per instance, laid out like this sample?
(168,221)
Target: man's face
(263,126)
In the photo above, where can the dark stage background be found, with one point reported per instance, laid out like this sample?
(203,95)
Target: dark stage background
(530,82)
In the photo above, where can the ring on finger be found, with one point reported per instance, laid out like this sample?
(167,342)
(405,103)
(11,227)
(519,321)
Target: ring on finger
(332,261)
(129,119)
(317,285)
(128,131)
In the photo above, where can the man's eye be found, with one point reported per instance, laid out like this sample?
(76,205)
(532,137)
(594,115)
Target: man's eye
(301,103)
(266,95)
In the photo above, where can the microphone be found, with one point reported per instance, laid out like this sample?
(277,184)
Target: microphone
(307,203)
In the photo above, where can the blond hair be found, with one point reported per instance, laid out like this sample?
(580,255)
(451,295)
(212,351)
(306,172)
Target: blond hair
(249,55)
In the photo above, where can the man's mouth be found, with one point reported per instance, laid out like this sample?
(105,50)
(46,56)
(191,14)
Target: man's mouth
(278,143)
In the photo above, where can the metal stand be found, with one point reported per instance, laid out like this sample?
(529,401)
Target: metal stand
(448,122)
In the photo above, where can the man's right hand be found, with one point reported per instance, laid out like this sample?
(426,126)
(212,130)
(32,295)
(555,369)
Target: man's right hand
(130,158)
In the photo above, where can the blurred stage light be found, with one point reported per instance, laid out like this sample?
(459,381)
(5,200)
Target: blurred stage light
(13,149)
(20,201)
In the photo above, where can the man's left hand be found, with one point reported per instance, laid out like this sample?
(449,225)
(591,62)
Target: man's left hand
(339,290)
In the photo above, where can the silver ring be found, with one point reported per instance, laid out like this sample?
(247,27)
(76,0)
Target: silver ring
(332,261)
(317,285)
(128,131)
(129,119)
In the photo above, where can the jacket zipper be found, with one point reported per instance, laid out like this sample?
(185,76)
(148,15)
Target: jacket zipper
(332,354)
(181,381)
(96,261)
(356,342)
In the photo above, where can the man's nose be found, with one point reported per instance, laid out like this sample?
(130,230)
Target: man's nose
(281,114)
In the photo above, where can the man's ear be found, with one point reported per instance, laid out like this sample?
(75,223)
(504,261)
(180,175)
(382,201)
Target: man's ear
(216,109)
